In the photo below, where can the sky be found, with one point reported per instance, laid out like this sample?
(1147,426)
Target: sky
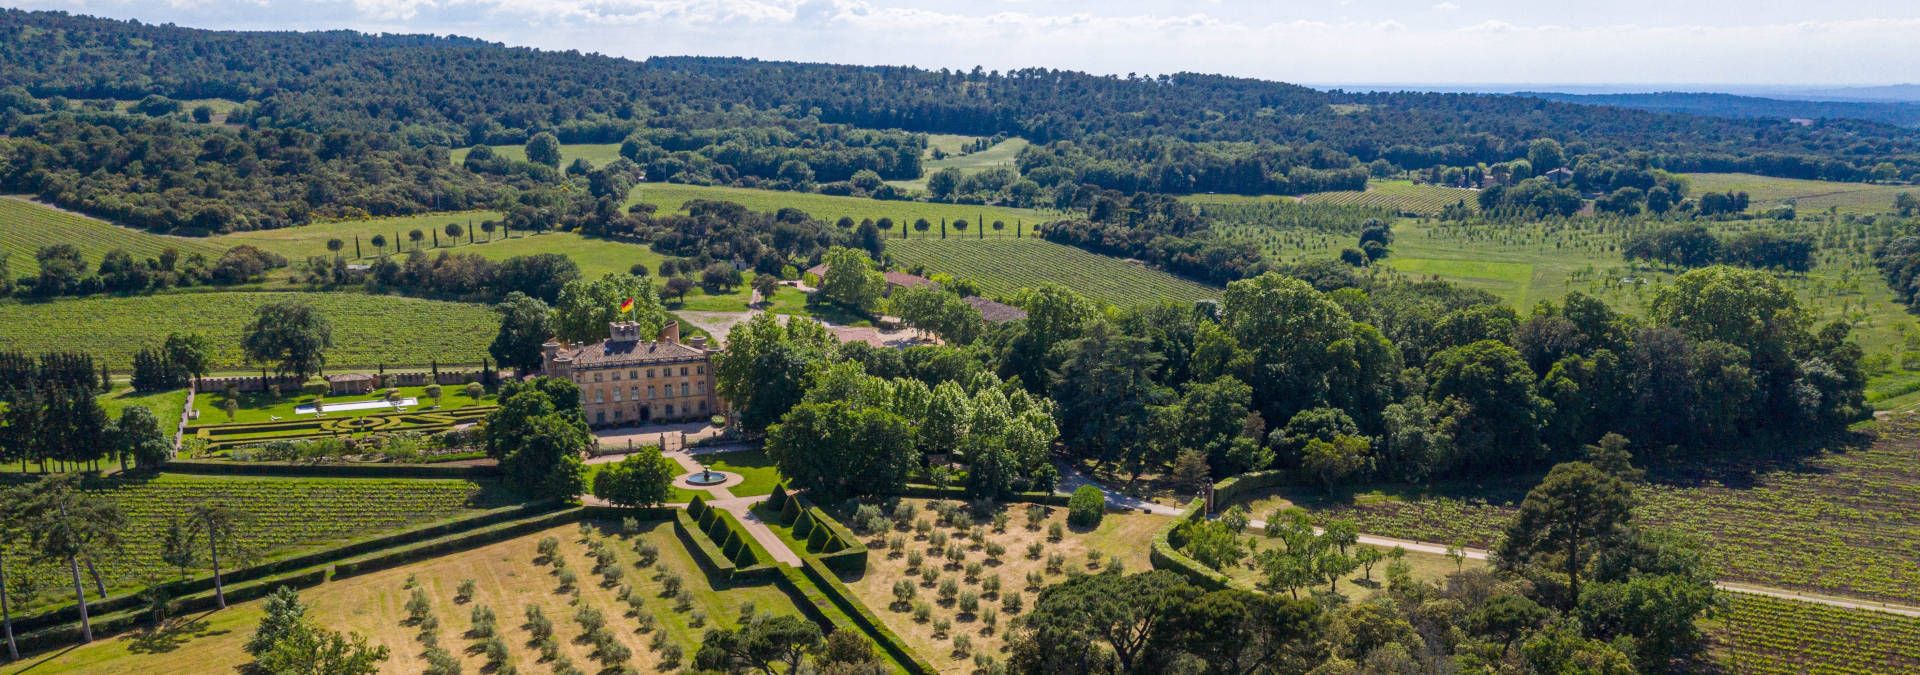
(1323,42)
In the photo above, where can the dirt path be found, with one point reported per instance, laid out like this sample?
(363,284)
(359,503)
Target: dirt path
(1073,479)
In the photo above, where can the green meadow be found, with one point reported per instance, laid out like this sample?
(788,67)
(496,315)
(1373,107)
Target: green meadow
(1809,196)
(1003,266)
(999,154)
(597,154)
(673,197)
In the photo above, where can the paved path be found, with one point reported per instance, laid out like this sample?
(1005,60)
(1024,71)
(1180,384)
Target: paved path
(1073,479)
(742,508)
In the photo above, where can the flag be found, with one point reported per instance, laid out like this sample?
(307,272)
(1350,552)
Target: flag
(626,305)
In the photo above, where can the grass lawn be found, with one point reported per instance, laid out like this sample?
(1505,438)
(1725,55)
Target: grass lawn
(1120,534)
(368,330)
(507,580)
(756,470)
(671,197)
(261,407)
(999,154)
(165,405)
(1003,266)
(1400,195)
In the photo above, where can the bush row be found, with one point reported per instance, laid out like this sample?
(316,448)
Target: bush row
(131,618)
(721,544)
(825,537)
(924,491)
(459,542)
(829,583)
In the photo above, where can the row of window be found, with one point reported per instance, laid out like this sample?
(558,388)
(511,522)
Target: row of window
(600,395)
(634,374)
(619,415)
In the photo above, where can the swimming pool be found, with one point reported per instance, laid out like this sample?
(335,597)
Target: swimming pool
(307,409)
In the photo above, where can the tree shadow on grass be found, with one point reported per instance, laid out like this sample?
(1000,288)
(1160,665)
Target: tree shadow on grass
(170,635)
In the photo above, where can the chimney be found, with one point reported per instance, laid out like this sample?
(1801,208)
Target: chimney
(670,333)
(698,342)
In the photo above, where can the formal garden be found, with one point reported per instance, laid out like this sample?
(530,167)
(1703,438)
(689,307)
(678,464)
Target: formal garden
(408,424)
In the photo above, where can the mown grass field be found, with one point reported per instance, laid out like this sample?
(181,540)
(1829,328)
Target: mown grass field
(999,154)
(26,226)
(166,405)
(1399,195)
(506,579)
(672,196)
(1810,196)
(281,516)
(597,154)
(1003,266)
(261,407)
(368,330)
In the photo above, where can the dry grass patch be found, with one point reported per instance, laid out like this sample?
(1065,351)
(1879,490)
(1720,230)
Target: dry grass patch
(1121,537)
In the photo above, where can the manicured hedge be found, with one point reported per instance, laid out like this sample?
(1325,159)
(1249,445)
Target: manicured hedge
(890,642)
(333,470)
(1087,507)
(1226,490)
(721,543)
(107,624)
(924,491)
(825,537)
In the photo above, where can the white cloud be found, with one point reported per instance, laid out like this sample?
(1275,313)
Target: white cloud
(1446,7)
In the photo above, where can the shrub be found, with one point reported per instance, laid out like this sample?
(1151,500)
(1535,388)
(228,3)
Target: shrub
(483,621)
(990,618)
(922,612)
(538,625)
(1036,514)
(671,584)
(649,553)
(962,646)
(549,548)
(567,579)
(948,590)
(1012,603)
(1033,550)
(1086,507)
(915,560)
(419,608)
(670,656)
(903,594)
(969,602)
(1055,532)
(941,627)
(1056,563)
(464,594)
(990,585)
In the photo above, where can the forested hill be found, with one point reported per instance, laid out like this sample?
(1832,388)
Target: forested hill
(1729,105)
(457,91)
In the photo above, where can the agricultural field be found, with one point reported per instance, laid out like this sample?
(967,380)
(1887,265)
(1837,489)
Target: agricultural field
(671,197)
(597,154)
(999,154)
(508,577)
(1400,196)
(926,559)
(26,226)
(1757,634)
(1841,523)
(1004,266)
(368,330)
(281,517)
(1810,197)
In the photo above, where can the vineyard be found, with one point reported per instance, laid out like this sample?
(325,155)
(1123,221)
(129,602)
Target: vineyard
(1004,266)
(27,226)
(1810,197)
(281,516)
(1758,634)
(1845,523)
(671,197)
(368,330)
(1399,196)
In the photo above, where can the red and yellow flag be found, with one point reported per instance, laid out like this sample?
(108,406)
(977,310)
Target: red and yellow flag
(626,305)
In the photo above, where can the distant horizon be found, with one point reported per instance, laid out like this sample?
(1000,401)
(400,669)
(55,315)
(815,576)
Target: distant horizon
(1480,45)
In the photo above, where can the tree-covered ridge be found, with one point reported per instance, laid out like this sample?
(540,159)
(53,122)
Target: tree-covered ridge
(457,91)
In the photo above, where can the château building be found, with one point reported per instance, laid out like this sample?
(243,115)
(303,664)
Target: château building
(625,380)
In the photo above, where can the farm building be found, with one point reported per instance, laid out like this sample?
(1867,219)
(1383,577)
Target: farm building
(995,312)
(818,273)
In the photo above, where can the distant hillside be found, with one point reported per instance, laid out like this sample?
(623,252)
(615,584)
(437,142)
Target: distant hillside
(1897,113)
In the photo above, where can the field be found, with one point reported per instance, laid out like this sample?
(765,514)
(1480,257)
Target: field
(1763,635)
(999,154)
(1810,196)
(26,226)
(597,154)
(1399,195)
(1120,534)
(1003,266)
(507,579)
(166,405)
(1842,523)
(671,196)
(282,516)
(368,330)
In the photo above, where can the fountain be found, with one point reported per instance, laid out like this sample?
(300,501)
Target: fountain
(706,477)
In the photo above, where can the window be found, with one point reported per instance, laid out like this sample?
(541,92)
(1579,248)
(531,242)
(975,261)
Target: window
(649,372)
(701,387)
(683,371)
(669,410)
(600,417)
(635,394)
(616,413)
(616,394)
(703,406)
(700,370)
(616,376)
(683,389)
(599,396)
(596,377)
(633,374)
(650,392)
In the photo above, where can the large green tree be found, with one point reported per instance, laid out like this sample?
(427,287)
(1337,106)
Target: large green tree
(525,325)
(585,307)
(291,335)
(1105,391)
(1575,515)
(1487,389)
(850,280)
(539,441)
(1103,622)
(643,478)
(767,365)
(837,450)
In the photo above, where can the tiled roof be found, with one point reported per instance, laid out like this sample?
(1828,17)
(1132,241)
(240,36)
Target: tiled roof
(995,312)
(893,278)
(350,377)
(630,352)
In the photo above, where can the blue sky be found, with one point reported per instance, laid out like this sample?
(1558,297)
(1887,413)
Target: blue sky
(1822,42)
